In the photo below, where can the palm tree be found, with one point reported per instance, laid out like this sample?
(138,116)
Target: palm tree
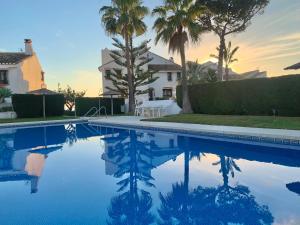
(176,26)
(195,72)
(125,18)
(228,58)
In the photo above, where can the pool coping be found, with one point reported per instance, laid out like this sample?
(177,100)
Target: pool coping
(41,123)
(275,136)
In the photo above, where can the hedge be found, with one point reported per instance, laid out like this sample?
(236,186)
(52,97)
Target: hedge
(29,105)
(84,104)
(247,97)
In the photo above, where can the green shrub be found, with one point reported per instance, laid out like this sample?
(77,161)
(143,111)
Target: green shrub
(247,97)
(4,93)
(30,106)
(83,105)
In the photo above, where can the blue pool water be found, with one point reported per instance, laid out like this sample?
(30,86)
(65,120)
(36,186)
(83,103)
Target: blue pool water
(81,174)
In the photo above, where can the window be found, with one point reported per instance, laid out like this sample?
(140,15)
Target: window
(167,92)
(171,143)
(178,76)
(3,77)
(151,94)
(107,73)
(169,76)
(151,77)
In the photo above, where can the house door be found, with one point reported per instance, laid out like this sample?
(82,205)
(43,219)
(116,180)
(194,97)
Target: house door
(151,94)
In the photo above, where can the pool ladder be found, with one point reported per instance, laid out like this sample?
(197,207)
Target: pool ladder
(97,112)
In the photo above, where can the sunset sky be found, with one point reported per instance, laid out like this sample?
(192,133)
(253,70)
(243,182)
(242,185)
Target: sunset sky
(68,37)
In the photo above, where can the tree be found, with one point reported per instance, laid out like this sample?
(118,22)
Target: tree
(4,93)
(176,25)
(228,17)
(125,18)
(211,76)
(70,95)
(195,72)
(141,77)
(228,58)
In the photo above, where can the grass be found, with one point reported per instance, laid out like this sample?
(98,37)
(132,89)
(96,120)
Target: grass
(35,119)
(292,123)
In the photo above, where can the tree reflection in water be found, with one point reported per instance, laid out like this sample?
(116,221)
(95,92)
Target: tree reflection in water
(133,157)
(216,205)
(132,153)
(177,206)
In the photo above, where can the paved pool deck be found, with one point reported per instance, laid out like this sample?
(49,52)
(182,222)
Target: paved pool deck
(135,122)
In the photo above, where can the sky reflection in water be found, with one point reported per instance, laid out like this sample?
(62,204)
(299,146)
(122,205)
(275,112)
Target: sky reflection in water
(79,174)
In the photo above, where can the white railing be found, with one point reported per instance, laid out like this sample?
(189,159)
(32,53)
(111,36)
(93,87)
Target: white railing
(96,113)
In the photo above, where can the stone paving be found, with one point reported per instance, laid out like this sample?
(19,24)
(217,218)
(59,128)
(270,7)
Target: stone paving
(228,130)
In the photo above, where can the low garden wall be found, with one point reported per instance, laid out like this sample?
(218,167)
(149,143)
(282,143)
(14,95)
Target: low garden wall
(262,96)
(84,104)
(30,106)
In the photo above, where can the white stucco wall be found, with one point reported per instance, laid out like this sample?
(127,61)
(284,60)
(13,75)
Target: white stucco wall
(16,83)
(24,76)
(158,86)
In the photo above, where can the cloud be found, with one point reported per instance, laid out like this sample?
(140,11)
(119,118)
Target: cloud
(288,37)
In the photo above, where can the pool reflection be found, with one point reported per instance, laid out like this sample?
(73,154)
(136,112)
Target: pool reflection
(134,160)
(132,154)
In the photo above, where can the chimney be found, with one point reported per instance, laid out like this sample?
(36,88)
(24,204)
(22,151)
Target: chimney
(28,47)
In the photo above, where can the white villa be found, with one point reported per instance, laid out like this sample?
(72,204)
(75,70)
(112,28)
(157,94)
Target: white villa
(233,75)
(164,87)
(21,72)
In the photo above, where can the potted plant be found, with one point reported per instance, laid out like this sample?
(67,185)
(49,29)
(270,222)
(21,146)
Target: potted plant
(4,93)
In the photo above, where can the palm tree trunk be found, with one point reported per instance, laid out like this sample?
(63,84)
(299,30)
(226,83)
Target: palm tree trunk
(224,171)
(227,73)
(186,183)
(221,56)
(129,74)
(186,105)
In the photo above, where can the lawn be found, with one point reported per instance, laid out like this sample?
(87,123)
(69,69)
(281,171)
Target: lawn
(35,119)
(242,121)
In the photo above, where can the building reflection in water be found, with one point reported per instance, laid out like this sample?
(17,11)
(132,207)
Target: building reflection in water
(130,156)
(23,154)
(23,151)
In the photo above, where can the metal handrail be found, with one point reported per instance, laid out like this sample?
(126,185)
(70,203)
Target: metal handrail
(90,111)
(102,107)
(98,111)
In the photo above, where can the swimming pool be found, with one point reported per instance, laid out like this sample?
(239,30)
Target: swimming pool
(83,174)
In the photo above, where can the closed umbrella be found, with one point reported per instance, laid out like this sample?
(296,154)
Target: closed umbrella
(43,92)
(111,94)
